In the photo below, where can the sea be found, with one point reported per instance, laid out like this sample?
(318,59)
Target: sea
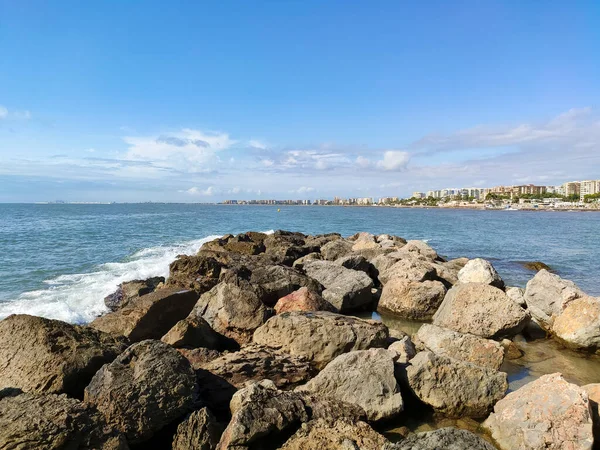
(60,260)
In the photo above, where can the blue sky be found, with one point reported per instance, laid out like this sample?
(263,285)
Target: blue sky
(202,101)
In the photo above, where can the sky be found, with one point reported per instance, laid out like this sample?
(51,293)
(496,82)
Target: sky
(204,101)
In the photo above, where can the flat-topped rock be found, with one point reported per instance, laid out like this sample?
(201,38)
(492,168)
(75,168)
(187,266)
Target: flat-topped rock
(50,356)
(408,268)
(411,299)
(320,336)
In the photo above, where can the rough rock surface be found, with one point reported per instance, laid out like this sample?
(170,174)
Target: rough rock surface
(200,431)
(404,350)
(303,300)
(579,324)
(50,421)
(420,249)
(145,388)
(346,289)
(547,295)
(273,282)
(480,271)
(447,272)
(517,295)
(320,336)
(255,363)
(43,355)
(411,299)
(342,434)
(197,357)
(299,263)
(336,249)
(131,290)
(444,439)
(466,347)
(234,311)
(453,387)
(364,241)
(150,316)
(365,378)
(408,268)
(200,272)
(548,413)
(192,332)
(593,391)
(480,309)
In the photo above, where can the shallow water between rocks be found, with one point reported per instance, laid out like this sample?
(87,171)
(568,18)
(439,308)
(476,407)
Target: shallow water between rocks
(541,356)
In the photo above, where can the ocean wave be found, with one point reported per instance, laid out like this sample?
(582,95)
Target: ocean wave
(79,298)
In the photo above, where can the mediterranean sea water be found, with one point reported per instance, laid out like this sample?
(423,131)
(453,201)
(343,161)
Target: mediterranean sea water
(61,260)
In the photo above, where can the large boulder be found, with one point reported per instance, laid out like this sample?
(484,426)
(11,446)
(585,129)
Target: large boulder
(303,300)
(233,310)
(364,241)
(421,250)
(340,434)
(579,324)
(285,247)
(547,295)
(480,309)
(273,282)
(548,413)
(193,332)
(147,387)
(447,272)
(149,316)
(255,363)
(49,421)
(320,336)
(409,268)
(363,377)
(200,431)
(336,249)
(453,387)
(466,347)
(411,299)
(131,290)
(50,356)
(444,439)
(346,289)
(200,272)
(480,271)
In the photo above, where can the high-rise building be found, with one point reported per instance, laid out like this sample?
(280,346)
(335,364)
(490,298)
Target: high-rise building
(572,188)
(589,187)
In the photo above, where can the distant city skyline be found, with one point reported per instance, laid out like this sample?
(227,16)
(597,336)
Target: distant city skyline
(203,102)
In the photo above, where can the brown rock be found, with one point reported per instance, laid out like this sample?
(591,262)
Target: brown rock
(409,268)
(303,300)
(200,431)
(131,290)
(579,324)
(411,299)
(192,332)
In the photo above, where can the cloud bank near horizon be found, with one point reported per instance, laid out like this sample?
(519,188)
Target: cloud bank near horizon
(202,165)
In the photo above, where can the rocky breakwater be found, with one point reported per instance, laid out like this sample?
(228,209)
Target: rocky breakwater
(254,343)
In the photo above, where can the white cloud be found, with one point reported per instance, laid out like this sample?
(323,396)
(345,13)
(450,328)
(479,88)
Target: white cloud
(3,112)
(255,143)
(208,192)
(394,160)
(363,162)
(16,115)
(303,190)
(267,162)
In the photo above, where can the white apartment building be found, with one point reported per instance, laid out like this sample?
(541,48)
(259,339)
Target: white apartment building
(589,187)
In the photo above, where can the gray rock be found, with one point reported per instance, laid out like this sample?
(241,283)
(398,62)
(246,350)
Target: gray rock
(480,271)
(517,295)
(233,311)
(200,431)
(447,272)
(578,326)
(147,387)
(547,295)
(482,310)
(356,262)
(336,249)
(320,336)
(420,249)
(149,316)
(453,387)
(409,268)
(50,356)
(365,378)
(411,299)
(347,290)
(299,263)
(466,347)
(404,349)
(192,332)
(273,282)
(547,413)
(444,438)
(50,421)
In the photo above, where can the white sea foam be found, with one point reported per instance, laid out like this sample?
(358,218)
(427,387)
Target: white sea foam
(79,298)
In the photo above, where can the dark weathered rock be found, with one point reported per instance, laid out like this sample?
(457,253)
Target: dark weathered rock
(411,299)
(50,356)
(443,439)
(365,378)
(193,332)
(455,388)
(286,247)
(547,413)
(150,316)
(482,310)
(303,300)
(131,290)
(336,249)
(197,357)
(536,266)
(50,421)
(273,282)
(299,263)
(232,310)
(341,434)
(347,290)
(320,336)
(255,363)
(199,273)
(200,431)
(147,387)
